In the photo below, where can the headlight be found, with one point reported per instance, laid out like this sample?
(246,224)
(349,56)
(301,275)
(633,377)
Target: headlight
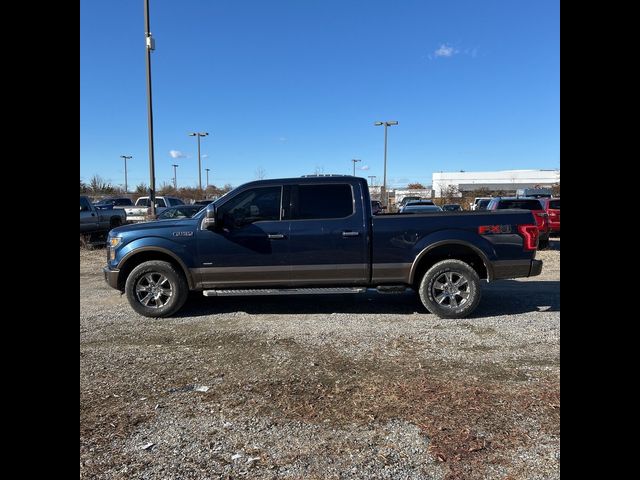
(114,241)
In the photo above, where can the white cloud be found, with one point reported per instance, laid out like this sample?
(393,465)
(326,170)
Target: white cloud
(364,167)
(282,139)
(204,155)
(177,154)
(445,51)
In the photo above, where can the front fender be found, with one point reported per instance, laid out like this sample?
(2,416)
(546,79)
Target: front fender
(180,252)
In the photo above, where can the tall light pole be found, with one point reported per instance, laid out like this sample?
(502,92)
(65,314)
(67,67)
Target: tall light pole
(207,169)
(150,46)
(175,177)
(383,191)
(371,179)
(125,157)
(355,160)
(199,134)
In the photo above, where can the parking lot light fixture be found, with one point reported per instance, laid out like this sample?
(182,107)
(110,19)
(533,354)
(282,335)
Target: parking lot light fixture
(175,177)
(355,160)
(383,191)
(198,135)
(125,157)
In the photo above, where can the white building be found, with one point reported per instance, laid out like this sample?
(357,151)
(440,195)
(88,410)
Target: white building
(500,180)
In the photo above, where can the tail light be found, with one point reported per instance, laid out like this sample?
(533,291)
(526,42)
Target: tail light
(530,233)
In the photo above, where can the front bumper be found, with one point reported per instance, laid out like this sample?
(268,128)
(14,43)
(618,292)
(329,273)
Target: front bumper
(111,277)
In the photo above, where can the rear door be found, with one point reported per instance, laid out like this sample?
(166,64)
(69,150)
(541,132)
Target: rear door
(328,242)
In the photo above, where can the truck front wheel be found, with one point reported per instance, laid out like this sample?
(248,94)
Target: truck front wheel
(156,289)
(450,289)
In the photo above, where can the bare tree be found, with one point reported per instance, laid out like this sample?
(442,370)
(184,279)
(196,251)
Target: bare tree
(260,173)
(416,186)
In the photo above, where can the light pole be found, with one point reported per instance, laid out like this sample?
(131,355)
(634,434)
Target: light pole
(207,169)
(383,191)
(371,180)
(355,160)
(150,45)
(175,177)
(199,134)
(125,157)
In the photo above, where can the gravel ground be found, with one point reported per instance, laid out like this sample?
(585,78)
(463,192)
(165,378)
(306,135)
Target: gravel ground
(366,386)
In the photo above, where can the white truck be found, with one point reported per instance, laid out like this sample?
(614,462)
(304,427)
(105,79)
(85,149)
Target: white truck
(141,210)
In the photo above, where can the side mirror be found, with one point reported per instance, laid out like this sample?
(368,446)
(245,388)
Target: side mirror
(209,220)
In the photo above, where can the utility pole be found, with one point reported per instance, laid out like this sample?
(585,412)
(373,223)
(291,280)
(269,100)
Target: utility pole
(150,46)
(175,177)
(125,157)
(383,192)
(207,169)
(199,134)
(355,160)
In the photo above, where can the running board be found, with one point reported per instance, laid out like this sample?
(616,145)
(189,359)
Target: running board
(281,291)
(391,288)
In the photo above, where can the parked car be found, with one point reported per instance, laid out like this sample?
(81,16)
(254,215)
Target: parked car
(315,235)
(203,202)
(480,203)
(141,211)
(406,200)
(415,207)
(532,204)
(452,207)
(552,207)
(181,211)
(376,207)
(415,202)
(115,202)
(94,220)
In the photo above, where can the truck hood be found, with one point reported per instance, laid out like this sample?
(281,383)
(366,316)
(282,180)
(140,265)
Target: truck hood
(157,226)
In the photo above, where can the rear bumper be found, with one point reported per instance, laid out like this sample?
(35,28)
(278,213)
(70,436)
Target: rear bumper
(111,277)
(516,269)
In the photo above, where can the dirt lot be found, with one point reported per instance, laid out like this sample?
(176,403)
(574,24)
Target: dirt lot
(367,386)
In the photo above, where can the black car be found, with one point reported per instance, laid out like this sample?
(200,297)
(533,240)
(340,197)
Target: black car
(451,207)
(203,202)
(114,202)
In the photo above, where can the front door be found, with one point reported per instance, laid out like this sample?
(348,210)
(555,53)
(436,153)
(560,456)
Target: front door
(249,246)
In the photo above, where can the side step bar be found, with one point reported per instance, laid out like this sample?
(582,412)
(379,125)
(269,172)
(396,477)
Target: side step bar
(281,291)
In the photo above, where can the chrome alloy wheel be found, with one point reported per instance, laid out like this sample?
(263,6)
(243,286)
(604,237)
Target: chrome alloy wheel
(451,289)
(154,290)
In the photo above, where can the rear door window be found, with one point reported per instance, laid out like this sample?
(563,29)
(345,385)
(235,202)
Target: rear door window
(322,201)
(554,204)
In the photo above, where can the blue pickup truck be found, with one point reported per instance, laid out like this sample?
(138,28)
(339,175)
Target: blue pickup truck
(314,235)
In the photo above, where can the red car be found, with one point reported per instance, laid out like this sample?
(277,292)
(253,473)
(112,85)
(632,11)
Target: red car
(552,207)
(526,203)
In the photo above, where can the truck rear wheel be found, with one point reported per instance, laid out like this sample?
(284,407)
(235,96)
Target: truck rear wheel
(450,289)
(156,289)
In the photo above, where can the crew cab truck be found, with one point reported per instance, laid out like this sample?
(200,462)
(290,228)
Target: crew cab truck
(315,235)
(96,220)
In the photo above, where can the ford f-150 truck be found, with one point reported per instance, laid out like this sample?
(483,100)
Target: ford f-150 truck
(94,220)
(317,235)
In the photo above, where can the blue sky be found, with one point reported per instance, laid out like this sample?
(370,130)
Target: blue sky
(294,87)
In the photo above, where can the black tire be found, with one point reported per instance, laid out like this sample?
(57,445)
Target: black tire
(543,244)
(161,281)
(459,293)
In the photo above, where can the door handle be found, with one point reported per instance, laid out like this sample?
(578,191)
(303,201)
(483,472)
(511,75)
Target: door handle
(275,236)
(350,234)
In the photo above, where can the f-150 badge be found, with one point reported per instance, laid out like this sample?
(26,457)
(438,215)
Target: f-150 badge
(182,234)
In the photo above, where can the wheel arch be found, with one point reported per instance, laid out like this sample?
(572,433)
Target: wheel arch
(450,249)
(143,254)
